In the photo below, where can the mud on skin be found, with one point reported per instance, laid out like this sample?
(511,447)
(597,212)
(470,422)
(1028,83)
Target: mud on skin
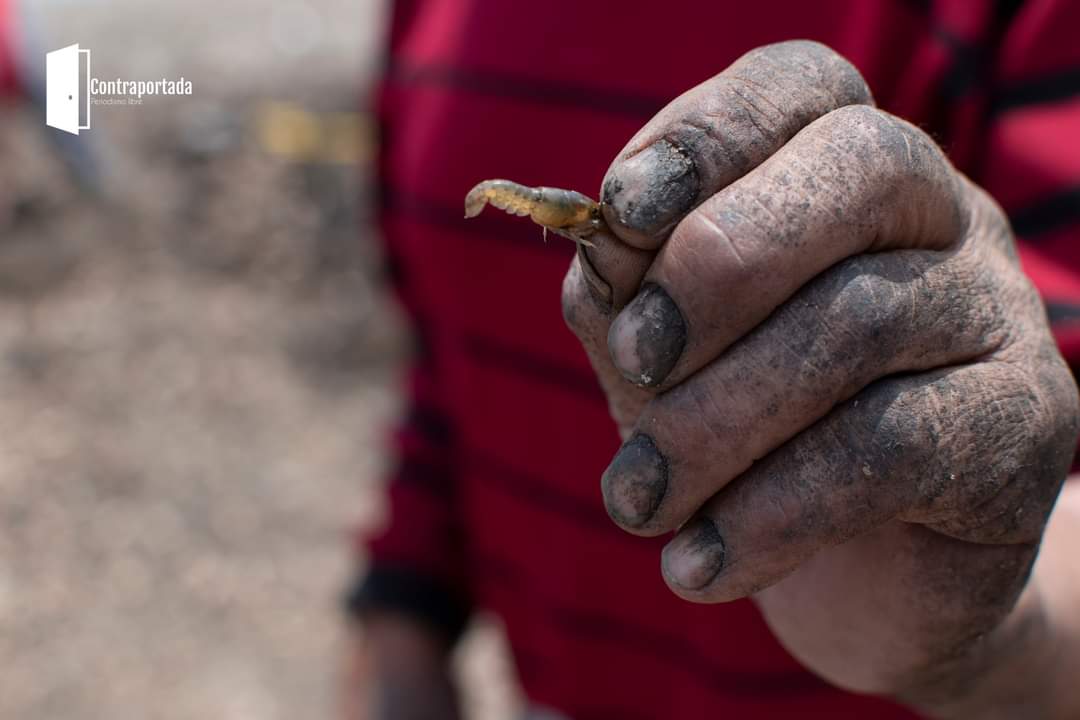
(653,189)
(858,381)
(635,483)
(807,456)
(648,337)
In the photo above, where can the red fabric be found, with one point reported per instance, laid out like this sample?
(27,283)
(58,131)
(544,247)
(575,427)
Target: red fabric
(498,494)
(8,78)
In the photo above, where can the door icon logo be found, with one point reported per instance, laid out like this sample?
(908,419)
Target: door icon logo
(66,93)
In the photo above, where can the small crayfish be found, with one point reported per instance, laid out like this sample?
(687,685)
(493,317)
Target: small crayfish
(563,212)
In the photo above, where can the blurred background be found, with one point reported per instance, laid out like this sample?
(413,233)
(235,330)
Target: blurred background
(197,365)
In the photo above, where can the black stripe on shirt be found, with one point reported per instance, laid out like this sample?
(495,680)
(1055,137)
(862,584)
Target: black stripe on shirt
(968,66)
(651,642)
(922,7)
(578,381)
(388,587)
(1005,11)
(1050,213)
(1061,313)
(431,423)
(522,88)
(434,478)
(971,60)
(1052,88)
(537,493)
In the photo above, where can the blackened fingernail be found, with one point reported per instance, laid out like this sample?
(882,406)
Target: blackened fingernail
(650,191)
(635,482)
(696,556)
(598,287)
(647,337)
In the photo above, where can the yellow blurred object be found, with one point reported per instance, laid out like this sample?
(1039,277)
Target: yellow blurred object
(294,133)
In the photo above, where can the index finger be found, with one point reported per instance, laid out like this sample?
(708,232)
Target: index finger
(703,141)
(718,131)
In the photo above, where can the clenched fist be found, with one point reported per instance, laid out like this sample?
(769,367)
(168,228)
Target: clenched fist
(834,382)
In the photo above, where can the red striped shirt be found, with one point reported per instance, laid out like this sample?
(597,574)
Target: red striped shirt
(496,501)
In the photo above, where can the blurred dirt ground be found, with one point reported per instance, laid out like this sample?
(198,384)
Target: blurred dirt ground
(197,370)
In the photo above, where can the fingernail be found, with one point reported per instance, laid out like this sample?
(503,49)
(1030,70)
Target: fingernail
(598,287)
(651,190)
(635,482)
(647,337)
(696,556)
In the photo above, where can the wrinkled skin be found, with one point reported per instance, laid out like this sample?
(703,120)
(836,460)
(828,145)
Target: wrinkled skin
(836,386)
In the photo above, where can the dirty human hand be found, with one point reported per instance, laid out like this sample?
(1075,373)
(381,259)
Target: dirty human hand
(835,386)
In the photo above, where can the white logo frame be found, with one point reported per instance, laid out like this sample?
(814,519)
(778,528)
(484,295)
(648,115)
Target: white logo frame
(64,89)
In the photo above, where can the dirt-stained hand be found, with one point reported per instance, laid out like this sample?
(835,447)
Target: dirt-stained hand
(834,382)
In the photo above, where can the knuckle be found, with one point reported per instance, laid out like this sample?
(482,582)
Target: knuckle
(865,320)
(905,165)
(890,447)
(870,134)
(1060,403)
(1012,437)
(898,150)
(761,118)
(915,156)
(874,308)
(820,65)
(995,219)
(988,221)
